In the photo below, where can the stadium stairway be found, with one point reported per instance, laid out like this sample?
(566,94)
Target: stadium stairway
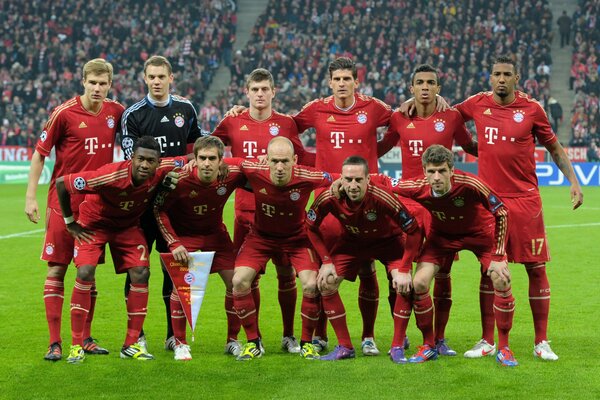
(248,12)
(561,67)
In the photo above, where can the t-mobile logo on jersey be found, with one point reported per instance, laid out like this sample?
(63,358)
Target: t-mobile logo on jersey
(337,138)
(250,148)
(91,145)
(416,146)
(491,134)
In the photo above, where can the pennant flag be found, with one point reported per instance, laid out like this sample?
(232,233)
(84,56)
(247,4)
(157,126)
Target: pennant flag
(189,281)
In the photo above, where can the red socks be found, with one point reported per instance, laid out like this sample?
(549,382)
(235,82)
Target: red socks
(246,311)
(539,300)
(80,306)
(402,310)
(233,321)
(54,293)
(310,311)
(423,307)
(178,320)
(368,302)
(336,313)
(486,306)
(137,307)
(287,294)
(504,310)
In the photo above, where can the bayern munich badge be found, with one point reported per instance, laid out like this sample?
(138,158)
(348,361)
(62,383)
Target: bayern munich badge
(274,130)
(110,121)
(518,116)
(371,216)
(49,249)
(189,278)
(43,136)
(439,125)
(361,118)
(458,201)
(179,121)
(79,183)
(294,196)
(222,190)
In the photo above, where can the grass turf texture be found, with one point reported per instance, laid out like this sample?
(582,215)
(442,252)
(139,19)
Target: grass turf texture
(574,327)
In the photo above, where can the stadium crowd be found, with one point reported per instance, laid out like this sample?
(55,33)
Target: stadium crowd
(584,77)
(296,40)
(44,46)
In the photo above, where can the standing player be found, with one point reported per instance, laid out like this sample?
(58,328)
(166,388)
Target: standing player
(173,122)
(82,130)
(116,196)
(461,206)
(508,124)
(281,192)
(248,135)
(414,134)
(190,218)
(367,214)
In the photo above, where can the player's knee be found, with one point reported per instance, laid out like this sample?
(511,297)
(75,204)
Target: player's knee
(57,271)
(240,283)
(139,274)
(86,273)
(420,284)
(309,286)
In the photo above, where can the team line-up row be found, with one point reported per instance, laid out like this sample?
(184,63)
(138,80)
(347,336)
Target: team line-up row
(496,215)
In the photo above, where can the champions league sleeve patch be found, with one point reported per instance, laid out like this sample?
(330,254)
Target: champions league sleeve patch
(327,176)
(311,215)
(495,202)
(395,182)
(127,143)
(405,219)
(79,183)
(179,163)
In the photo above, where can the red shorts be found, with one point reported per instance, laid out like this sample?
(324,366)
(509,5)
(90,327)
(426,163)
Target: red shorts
(241,228)
(59,245)
(349,256)
(219,242)
(58,242)
(439,246)
(527,241)
(257,250)
(128,248)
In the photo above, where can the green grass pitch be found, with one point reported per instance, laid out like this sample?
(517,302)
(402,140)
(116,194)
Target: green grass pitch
(574,329)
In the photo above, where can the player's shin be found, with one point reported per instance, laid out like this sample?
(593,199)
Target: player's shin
(137,305)
(539,299)
(178,320)
(402,309)
(504,310)
(287,295)
(80,305)
(54,293)
(486,307)
(336,314)
(423,307)
(233,321)
(310,311)
(368,302)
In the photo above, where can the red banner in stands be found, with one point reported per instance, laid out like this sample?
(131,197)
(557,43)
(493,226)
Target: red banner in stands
(577,154)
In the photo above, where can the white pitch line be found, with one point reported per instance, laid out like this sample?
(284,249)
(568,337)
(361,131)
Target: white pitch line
(20,234)
(573,225)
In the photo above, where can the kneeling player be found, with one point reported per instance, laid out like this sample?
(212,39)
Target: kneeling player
(190,218)
(116,197)
(462,207)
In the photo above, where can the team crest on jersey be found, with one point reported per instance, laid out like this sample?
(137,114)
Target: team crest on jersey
(110,121)
(79,183)
(49,249)
(371,215)
(222,190)
(44,136)
(458,201)
(518,116)
(439,125)
(274,129)
(311,215)
(127,143)
(189,278)
(179,121)
(193,194)
(361,117)
(294,195)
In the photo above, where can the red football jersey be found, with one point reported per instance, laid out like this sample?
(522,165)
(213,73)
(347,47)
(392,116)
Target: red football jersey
(415,134)
(195,208)
(506,140)
(343,133)
(111,200)
(249,138)
(466,209)
(83,141)
(280,211)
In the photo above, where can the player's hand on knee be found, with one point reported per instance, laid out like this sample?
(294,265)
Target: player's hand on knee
(500,268)
(401,281)
(80,234)
(181,254)
(327,277)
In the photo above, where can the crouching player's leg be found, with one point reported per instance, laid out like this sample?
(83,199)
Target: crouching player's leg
(504,310)
(423,307)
